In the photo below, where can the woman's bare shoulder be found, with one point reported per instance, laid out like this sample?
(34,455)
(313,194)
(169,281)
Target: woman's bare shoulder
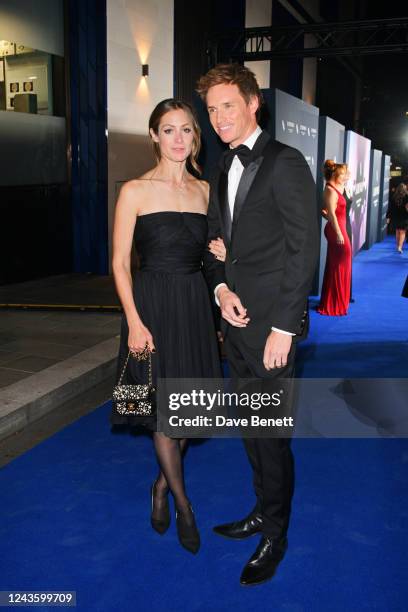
(138,183)
(136,187)
(202,186)
(330,191)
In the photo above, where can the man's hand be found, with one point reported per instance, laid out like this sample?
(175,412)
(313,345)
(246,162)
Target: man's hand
(231,308)
(276,351)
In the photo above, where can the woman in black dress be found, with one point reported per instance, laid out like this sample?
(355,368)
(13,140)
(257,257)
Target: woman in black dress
(166,304)
(397,213)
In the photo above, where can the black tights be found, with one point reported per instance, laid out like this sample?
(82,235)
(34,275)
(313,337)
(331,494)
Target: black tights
(169,453)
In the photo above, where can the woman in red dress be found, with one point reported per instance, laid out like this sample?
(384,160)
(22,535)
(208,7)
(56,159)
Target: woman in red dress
(335,296)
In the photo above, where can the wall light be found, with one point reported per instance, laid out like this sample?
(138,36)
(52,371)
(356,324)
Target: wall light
(145,70)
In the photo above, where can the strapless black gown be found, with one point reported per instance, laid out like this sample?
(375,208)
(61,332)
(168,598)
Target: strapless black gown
(172,299)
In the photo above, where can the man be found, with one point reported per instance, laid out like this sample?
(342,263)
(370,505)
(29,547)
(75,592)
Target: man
(263,204)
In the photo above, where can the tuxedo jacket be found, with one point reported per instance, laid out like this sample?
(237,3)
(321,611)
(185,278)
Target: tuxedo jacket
(272,241)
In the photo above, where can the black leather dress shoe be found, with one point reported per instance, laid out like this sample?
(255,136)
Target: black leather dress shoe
(239,530)
(263,563)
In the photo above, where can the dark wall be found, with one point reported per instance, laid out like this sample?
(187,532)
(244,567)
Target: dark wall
(36,232)
(286,74)
(194,23)
(335,91)
(88,107)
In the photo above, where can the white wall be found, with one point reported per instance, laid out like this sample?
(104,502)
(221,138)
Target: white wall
(139,32)
(35,23)
(309,73)
(258,13)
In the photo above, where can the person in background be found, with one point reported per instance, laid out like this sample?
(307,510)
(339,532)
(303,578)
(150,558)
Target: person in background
(349,201)
(397,213)
(335,296)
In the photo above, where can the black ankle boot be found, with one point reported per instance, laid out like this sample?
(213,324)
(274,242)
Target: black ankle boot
(187,531)
(161,519)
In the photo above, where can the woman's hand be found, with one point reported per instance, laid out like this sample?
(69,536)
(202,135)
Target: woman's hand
(340,239)
(139,336)
(217,248)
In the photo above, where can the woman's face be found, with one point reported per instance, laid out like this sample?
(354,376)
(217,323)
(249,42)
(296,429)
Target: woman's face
(342,177)
(175,135)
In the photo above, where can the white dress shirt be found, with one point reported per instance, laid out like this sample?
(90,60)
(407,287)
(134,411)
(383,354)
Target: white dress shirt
(234,177)
(236,170)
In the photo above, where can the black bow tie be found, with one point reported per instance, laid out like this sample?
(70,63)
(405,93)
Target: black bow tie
(244,155)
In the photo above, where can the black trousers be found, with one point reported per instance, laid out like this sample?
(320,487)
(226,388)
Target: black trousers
(271,458)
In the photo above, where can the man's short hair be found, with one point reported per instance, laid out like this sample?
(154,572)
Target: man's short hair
(231,74)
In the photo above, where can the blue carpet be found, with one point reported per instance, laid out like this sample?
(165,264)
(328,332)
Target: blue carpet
(75,509)
(372,340)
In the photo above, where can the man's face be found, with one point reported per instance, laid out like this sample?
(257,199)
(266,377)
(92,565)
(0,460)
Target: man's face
(231,117)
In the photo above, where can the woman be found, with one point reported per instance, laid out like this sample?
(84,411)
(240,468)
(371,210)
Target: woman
(349,201)
(335,296)
(166,305)
(397,213)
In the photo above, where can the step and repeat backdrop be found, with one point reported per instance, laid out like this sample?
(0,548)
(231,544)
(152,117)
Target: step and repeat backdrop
(298,124)
(294,123)
(373,211)
(357,157)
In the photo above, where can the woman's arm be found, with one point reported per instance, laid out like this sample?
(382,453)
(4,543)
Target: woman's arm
(215,246)
(330,198)
(123,229)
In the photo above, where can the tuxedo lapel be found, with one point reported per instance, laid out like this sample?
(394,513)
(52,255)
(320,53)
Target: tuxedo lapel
(249,174)
(247,178)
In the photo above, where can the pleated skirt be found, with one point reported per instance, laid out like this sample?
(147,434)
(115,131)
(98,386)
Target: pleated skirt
(177,311)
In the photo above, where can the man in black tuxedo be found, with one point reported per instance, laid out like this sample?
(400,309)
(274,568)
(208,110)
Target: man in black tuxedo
(263,204)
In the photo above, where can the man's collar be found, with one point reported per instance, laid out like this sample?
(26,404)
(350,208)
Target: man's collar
(251,140)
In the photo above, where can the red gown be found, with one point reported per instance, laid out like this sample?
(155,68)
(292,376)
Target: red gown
(335,296)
